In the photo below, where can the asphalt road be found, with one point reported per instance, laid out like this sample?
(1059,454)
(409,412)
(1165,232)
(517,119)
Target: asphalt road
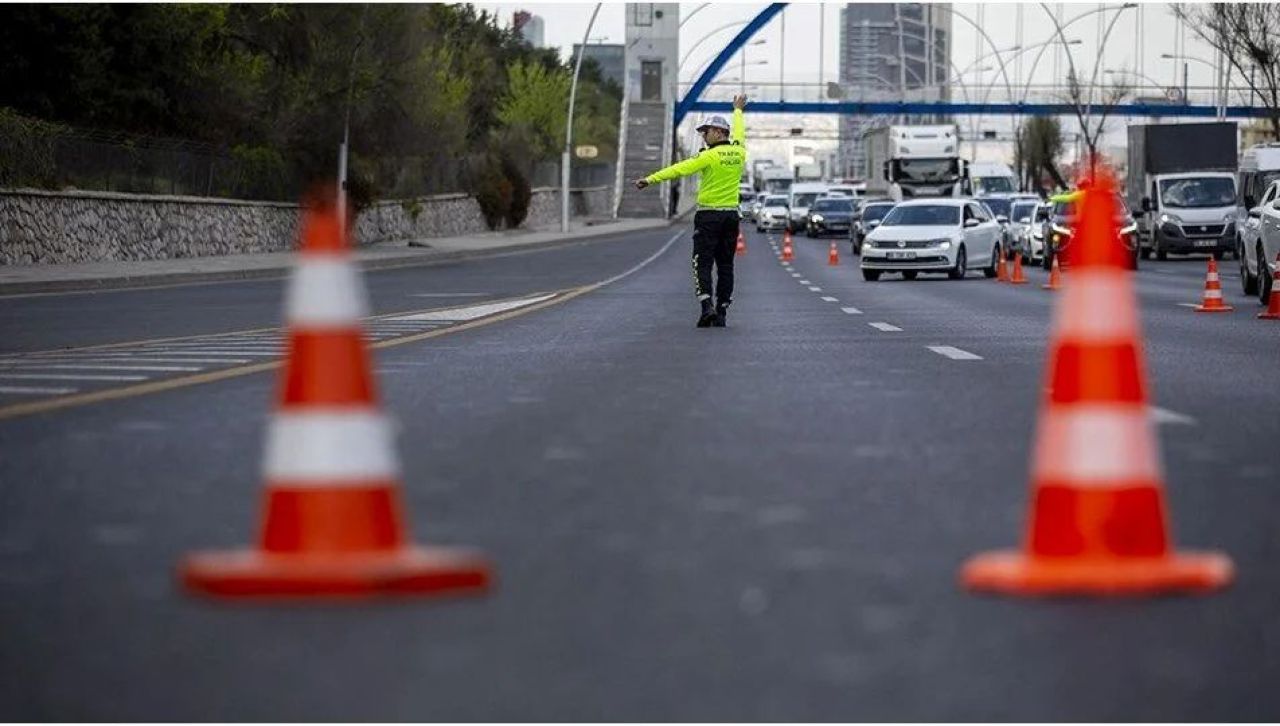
(758,523)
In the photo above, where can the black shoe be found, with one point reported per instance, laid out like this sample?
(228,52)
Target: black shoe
(722,316)
(708,315)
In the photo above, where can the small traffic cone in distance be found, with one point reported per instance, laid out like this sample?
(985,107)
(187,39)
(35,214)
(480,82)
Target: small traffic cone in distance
(1017,278)
(1002,269)
(788,252)
(1273,300)
(1212,301)
(1098,520)
(833,256)
(1055,276)
(742,244)
(333,525)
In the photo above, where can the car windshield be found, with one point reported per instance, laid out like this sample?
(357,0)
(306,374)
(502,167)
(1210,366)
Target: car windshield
(874,212)
(803,199)
(778,201)
(923,215)
(998,207)
(1199,192)
(992,184)
(926,170)
(1022,212)
(1068,209)
(833,205)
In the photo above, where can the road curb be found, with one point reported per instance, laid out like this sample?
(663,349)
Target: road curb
(419,259)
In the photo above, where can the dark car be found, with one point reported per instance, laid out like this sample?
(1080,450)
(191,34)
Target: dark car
(1060,229)
(866,218)
(831,215)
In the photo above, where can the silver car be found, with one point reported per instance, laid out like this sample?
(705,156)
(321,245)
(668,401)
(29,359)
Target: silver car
(1021,220)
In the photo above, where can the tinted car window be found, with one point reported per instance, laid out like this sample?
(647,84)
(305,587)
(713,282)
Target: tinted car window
(775,201)
(1022,212)
(873,212)
(833,205)
(922,215)
(998,207)
(804,200)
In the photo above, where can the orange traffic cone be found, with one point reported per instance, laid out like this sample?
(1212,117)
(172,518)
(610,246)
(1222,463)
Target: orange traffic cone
(333,525)
(833,256)
(1099,523)
(742,244)
(1017,278)
(1002,269)
(1055,276)
(1212,301)
(1273,300)
(788,252)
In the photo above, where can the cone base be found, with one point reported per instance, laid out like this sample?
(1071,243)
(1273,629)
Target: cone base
(1049,287)
(405,572)
(1017,282)
(1014,573)
(1269,316)
(1215,309)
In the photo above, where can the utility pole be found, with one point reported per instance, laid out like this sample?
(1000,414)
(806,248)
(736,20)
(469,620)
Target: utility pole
(822,38)
(782,62)
(568,126)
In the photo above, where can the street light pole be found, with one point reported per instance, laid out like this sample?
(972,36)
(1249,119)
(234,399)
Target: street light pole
(568,126)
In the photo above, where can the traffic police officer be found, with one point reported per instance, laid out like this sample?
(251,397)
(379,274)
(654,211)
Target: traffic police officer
(715,225)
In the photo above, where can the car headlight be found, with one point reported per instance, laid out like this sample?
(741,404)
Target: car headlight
(944,243)
(1131,228)
(1170,219)
(817,217)
(866,246)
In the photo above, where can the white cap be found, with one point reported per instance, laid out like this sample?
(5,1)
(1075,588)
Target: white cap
(714,122)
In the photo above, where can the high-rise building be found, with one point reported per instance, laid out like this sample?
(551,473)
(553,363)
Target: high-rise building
(611,57)
(530,27)
(889,52)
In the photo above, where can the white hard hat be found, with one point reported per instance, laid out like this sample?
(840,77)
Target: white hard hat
(713,122)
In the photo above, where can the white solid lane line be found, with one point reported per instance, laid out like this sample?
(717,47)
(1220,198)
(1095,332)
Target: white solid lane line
(828,298)
(105,367)
(852,311)
(67,377)
(953,353)
(886,327)
(1165,416)
(34,391)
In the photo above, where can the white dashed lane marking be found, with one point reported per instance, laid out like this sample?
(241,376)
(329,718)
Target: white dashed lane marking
(34,391)
(953,353)
(813,288)
(828,298)
(805,282)
(1165,416)
(886,327)
(852,311)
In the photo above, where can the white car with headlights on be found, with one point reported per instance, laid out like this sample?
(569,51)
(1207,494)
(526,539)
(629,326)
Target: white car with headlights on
(947,235)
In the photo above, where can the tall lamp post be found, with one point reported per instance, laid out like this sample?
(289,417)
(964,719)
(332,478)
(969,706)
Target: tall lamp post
(568,126)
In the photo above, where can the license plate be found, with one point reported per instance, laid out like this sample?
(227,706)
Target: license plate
(1206,243)
(902,255)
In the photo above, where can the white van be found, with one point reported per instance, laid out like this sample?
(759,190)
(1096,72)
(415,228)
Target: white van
(803,194)
(1259,166)
(991,178)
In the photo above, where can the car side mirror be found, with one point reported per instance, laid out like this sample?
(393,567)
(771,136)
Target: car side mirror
(971,222)
(1002,219)
(1146,204)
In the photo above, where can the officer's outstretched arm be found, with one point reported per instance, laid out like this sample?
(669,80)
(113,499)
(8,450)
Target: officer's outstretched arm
(738,134)
(692,165)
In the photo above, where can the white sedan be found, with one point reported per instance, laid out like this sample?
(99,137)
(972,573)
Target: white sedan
(933,235)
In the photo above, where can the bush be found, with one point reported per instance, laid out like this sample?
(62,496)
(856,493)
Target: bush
(27,151)
(491,188)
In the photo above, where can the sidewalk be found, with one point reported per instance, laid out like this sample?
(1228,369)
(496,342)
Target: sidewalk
(22,279)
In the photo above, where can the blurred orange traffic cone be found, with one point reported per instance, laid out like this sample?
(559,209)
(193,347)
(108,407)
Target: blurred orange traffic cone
(1273,300)
(333,524)
(1055,276)
(1212,301)
(1098,516)
(742,244)
(1002,269)
(788,252)
(833,255)
(1017,278)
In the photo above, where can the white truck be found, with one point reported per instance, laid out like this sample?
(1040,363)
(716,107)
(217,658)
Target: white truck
(775,180)
(904,162)
(1181,186)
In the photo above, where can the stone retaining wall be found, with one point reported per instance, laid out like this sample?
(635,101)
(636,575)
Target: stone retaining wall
(39,227)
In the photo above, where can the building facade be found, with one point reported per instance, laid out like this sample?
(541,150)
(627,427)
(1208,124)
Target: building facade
(530,27)
(889,52)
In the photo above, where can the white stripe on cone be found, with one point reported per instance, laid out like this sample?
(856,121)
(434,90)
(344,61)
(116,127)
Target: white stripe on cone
(1096,446)
(1097,308)
(320,448)
(325,292)
(1211,277)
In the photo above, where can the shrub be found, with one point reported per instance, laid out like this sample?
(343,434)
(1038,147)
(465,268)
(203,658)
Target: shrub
(521,192)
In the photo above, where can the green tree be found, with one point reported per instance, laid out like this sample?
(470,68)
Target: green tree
(536,101)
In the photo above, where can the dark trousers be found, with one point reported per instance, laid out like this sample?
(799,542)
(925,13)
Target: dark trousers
(715,240)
